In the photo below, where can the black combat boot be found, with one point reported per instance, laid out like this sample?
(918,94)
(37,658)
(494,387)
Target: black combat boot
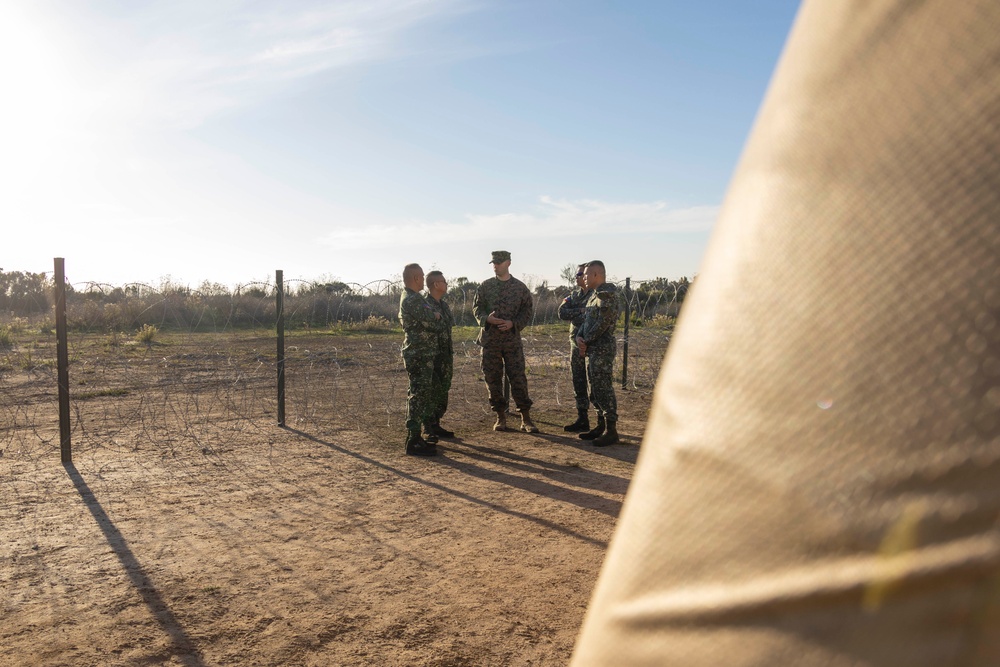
(581,424)
(439,432)
(610,436)
(595,432)
(417,446)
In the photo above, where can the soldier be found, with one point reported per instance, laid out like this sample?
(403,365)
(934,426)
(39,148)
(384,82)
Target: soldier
(444,352)
(503,308)
(420,332)
(574,309)
(596,340)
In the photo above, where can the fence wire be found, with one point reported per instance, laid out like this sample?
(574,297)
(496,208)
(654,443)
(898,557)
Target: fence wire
(156,371)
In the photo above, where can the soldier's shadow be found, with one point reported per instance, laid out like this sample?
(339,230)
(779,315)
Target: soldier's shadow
(499,466)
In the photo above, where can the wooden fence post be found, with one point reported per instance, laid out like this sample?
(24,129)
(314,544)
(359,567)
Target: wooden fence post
(62,361)
(280,302)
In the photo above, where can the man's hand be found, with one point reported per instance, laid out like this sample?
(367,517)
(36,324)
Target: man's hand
(501,324)
(582,344)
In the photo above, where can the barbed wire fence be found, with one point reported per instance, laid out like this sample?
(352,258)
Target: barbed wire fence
(165,370)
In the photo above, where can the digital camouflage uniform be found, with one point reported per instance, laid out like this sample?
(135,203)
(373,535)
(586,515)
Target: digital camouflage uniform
(502,350)
(574,309)
(443,362)
(420,340)
(598,332)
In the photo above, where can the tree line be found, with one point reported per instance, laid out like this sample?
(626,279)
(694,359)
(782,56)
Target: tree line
(332,303)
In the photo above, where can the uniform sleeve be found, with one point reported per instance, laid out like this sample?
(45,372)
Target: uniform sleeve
(414,313)
(588,324)
(570,309)
(437,325)
(576,308)
(479,305)
(449,322)
(606,318)
(524,313)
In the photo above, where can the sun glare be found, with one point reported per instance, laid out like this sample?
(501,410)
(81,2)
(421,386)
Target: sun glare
(38,91)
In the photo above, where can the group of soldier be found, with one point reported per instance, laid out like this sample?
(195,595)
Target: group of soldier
(503,308)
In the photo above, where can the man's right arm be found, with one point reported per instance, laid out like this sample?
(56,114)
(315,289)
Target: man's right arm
(437,322)
(566,308)
(572,309)
(586,325)
(480,309)
(602,317)
(416,314)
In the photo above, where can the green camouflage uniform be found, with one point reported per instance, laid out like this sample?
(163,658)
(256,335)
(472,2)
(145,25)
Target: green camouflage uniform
(420,335)
(598,332)
(443,362)
(574,309)
(502,350)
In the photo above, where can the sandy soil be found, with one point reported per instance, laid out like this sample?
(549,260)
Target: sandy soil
(240,542)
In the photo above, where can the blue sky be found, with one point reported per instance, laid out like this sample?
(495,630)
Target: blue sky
(222,140)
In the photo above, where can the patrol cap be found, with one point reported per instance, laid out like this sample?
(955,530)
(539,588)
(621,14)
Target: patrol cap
(500,256)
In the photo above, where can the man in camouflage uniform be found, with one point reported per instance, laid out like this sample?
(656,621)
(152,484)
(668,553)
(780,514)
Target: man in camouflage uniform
(574,309)
(596,339)
(420,333)
(444,352)
(503,307)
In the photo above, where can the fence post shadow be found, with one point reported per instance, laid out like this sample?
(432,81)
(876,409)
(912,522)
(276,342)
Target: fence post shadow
(183,648)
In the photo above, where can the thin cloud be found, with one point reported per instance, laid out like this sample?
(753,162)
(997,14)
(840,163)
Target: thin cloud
(552,218)
(183,62)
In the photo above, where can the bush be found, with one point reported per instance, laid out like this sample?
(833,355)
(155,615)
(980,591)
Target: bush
(146,334)
(373,324)
(662,321)
(6,338)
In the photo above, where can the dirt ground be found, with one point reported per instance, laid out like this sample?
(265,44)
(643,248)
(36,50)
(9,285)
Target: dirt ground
(191,529)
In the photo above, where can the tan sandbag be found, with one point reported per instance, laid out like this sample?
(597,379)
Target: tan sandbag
(820,479)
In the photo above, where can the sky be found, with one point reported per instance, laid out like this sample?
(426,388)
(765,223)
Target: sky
(219,141)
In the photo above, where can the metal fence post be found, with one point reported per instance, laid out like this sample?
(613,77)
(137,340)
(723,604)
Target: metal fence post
(62,361)
(280,304)
(628,319)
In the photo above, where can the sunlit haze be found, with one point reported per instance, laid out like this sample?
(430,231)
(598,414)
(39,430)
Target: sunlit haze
(223,140)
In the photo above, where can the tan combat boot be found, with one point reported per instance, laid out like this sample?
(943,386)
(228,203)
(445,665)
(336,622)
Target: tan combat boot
(526,424)
(501,424)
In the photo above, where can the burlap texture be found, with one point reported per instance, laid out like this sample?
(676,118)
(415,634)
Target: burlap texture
(819,482)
